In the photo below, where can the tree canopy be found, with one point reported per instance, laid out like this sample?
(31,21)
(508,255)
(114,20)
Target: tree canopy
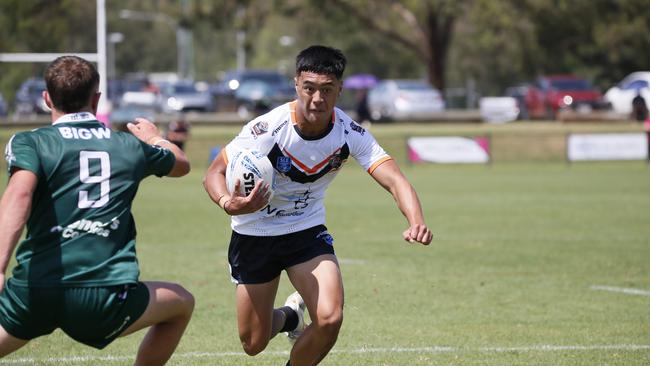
(448,42)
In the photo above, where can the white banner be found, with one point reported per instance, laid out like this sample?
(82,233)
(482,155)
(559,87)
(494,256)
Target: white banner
(449,149)
(607,146)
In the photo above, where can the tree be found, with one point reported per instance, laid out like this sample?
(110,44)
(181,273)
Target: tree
(423,27)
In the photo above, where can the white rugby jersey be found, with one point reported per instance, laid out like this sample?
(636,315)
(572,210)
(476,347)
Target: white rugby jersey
(304,167)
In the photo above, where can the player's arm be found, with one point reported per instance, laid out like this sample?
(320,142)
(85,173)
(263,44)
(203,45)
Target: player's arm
(389,176)
(15,205)
(214,183)
(148,133)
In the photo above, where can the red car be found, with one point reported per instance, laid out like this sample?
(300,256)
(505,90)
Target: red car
(553,93)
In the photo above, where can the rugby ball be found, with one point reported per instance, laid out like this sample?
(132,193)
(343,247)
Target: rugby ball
(249,166)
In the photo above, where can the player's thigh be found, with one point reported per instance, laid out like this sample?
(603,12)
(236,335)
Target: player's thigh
(9,343)
(255,306)
(320,284)
(166,301)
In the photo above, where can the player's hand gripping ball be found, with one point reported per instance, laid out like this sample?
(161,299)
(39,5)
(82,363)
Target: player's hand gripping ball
(249,166)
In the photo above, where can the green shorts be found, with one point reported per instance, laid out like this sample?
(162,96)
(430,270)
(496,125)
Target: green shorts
(94,316)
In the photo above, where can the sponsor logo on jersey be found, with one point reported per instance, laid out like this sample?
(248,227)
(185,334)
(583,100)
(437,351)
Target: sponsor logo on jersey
(301,201)
(283,213)
(277,129)
(86,226)
(355,127)
(85,133)
(260,128)
(284,164)
(326,237)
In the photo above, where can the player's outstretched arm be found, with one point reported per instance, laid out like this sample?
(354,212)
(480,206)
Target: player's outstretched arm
(214,183)
(148,132)
(389,176)
(15,205)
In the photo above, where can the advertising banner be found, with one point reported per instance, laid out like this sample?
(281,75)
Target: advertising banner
(607,146)
(449,149)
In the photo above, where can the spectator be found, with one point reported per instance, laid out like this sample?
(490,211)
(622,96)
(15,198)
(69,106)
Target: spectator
(178,131)
(639,108)
(363,114)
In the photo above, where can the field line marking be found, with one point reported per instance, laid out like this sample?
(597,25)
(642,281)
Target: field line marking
(624,290)
(362,350)
(553,348)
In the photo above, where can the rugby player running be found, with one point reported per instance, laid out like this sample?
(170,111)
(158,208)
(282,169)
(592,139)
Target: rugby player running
(307,141)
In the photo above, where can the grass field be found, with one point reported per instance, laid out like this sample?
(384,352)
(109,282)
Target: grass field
(534,262)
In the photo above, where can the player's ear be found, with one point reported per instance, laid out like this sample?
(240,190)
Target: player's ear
(95,101)
(46,98)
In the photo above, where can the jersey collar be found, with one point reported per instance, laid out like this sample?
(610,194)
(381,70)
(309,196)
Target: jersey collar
(76,117)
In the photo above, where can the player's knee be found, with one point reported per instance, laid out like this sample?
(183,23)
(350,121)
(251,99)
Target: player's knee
(253,346)
(329,322)
(186,300)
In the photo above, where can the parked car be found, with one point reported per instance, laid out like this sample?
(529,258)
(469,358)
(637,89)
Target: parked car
(519,93)
(29,97)
(224,91)
(553,93)
(259,96)
(620,96)
(4,110)
(183,97)
(395,99)
(126,113)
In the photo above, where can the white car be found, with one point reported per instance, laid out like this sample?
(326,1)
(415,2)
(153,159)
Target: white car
(620,96)
(404,99)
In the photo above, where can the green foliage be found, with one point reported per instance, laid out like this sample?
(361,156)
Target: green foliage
(494,43)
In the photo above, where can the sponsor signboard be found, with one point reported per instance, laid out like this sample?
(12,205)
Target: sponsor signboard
(449,149)
(607,146)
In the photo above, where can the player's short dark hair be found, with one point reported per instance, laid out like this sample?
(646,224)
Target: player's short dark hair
(71,83)
(321,60)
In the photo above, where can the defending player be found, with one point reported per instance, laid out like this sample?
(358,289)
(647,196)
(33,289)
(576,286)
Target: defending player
(307,141)
(72,184)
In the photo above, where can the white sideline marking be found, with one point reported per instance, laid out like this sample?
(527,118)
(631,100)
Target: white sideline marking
(432,349)
(627,291)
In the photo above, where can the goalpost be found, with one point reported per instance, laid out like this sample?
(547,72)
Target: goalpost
(99,58)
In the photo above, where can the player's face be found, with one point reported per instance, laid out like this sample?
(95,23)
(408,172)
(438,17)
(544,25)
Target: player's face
(317,95)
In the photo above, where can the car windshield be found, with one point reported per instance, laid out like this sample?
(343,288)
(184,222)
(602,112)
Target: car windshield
(265,77)
(37,86)
(183,89)
(570,84)
(636,84)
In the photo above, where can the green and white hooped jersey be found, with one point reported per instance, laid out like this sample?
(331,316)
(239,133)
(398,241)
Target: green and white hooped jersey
(80,231)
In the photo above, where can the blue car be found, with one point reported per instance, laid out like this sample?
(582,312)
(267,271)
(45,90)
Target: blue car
(29,97)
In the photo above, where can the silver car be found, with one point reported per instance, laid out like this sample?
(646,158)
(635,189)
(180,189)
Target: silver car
(183,97)
(394,99)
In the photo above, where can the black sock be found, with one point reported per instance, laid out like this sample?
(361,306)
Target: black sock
(291,319)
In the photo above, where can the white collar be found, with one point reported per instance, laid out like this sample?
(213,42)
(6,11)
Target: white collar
(76,117)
